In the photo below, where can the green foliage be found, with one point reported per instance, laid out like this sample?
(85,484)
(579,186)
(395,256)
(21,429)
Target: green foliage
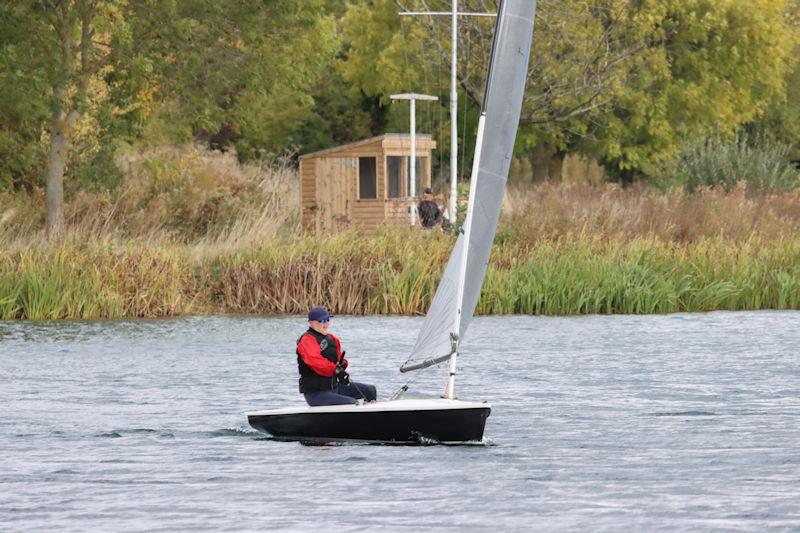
(761,164)
(340,115)
(241,74)
(623,82)
(781,120)
(235,74)
(707,67)
(23,111)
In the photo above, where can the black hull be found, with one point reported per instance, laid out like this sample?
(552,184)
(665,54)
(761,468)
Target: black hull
(442,425)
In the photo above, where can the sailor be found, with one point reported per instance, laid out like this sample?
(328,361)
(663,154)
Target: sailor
(320,359)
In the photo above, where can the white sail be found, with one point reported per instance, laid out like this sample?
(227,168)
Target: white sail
(451,309)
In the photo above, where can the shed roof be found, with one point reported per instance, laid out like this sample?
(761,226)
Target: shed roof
(362,142)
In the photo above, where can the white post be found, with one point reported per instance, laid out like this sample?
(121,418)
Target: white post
(453,114)
(412,187)
(454,14)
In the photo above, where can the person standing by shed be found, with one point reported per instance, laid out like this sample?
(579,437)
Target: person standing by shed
(429,213)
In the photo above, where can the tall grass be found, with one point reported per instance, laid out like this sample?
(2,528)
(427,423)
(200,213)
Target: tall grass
(93,282)
(568,249)
(582,275)
(553,211)
(397,272)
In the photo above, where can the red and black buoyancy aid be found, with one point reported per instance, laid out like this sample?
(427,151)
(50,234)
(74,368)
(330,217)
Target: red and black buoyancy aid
(311,381)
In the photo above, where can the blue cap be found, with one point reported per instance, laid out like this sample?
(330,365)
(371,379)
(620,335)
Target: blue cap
(318,314)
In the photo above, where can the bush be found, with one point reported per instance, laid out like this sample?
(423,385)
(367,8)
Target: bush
(762,164)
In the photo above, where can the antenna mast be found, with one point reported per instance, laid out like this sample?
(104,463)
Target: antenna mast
(453,94)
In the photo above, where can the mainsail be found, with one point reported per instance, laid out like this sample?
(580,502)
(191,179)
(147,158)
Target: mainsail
(457,295)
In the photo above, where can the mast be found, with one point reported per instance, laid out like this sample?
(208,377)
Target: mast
(467,228)
(457,295)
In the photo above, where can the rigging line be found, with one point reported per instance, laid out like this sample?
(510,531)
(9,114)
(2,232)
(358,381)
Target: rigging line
(427,122)
(404,388)
(463,139)
(440,89)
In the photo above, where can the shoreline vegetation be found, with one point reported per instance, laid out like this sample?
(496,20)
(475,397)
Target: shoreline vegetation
(187,233)
(140,145)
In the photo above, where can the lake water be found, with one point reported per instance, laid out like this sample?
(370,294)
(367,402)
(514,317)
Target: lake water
(676,422)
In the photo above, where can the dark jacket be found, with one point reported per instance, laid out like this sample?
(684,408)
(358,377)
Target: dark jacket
(317,355)
(429,214)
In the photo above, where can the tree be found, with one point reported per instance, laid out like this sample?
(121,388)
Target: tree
(622,81)
(708,67)
(201,66)
(242,73)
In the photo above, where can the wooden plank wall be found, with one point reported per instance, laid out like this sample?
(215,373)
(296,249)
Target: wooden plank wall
(367,213)
(335,192)
(308,203)
(397,211)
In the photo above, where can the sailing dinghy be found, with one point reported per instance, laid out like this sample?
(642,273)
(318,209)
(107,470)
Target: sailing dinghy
(442,419)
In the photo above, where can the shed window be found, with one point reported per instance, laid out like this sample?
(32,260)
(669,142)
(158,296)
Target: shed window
(394,175)
(398,177)
(421,167)
(367,177)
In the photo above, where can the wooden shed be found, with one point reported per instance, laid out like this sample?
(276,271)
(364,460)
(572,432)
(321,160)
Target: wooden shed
(363,184)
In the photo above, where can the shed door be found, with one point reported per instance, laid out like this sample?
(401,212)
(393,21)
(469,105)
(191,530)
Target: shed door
(336,178)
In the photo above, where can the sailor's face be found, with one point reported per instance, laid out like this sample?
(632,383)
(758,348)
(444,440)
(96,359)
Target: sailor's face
(320,327)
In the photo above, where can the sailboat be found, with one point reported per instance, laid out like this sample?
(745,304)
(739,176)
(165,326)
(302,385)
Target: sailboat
(444,419)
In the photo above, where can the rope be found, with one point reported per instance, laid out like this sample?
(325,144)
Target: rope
(403,389)
(363,396)
(463,137)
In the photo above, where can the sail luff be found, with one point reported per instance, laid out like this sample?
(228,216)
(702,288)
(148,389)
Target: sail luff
(462,275)
(457,295)
(468,223)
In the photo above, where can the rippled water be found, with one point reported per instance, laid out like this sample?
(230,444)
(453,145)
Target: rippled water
(688,422)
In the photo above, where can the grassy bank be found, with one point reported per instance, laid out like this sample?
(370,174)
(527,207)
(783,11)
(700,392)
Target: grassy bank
(187,233)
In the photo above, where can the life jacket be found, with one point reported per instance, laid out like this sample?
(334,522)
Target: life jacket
(310,381)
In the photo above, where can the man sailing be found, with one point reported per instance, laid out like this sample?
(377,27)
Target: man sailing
(320,359)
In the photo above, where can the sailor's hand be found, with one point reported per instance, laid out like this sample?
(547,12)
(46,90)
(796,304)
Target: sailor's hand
(342,377)
(342,363)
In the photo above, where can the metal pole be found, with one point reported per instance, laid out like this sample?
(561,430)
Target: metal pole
(453,114)
(412,174)
(454,14)
(413,185)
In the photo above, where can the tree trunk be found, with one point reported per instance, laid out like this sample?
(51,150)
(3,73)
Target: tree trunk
(66,114)
(56,161)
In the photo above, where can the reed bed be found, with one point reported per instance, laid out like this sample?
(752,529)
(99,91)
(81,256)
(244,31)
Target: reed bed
(560,249)
(71,282)
(397,272)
